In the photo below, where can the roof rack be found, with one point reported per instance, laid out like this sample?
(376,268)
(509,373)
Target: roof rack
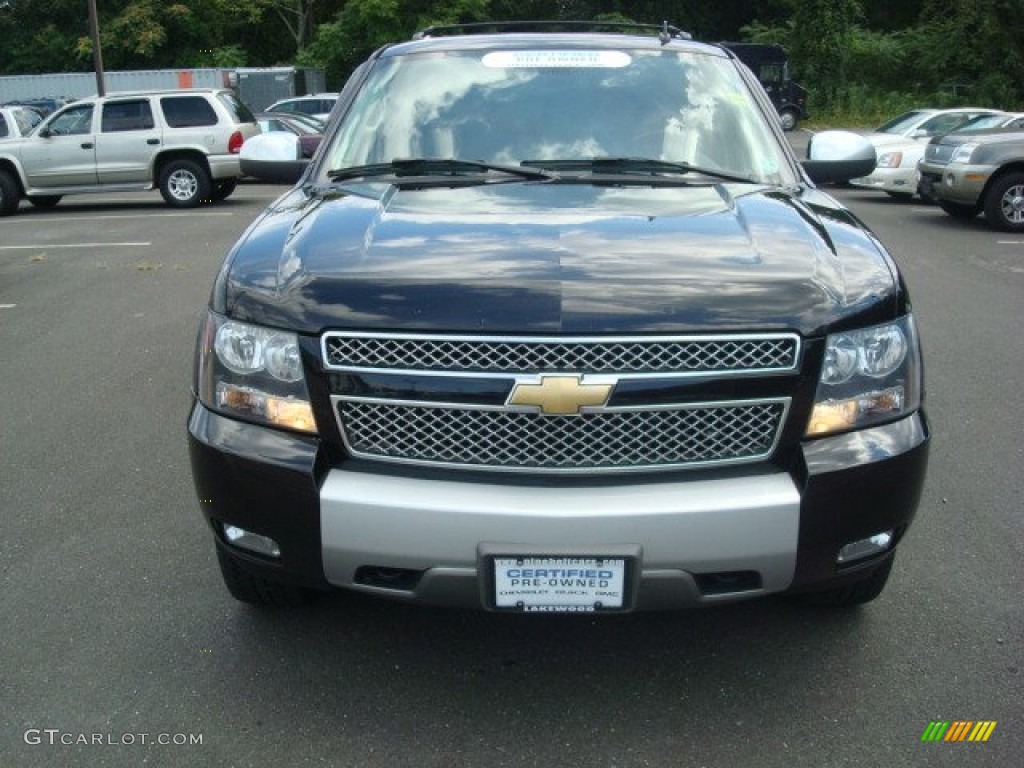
(665,32)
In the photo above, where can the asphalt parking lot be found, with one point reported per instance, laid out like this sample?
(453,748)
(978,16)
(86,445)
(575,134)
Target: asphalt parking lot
(118,626)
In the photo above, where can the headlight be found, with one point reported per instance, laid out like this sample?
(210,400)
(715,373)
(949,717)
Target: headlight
(252,373)
(889,160)
(868,377)
(962,154)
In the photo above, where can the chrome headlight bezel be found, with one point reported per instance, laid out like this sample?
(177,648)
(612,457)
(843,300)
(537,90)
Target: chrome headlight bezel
(253,373)
(962,154)
(868,377)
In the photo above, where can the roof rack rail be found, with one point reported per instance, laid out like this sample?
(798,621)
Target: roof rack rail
(664,31)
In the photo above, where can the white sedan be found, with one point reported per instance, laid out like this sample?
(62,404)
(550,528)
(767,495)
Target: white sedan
(900,143)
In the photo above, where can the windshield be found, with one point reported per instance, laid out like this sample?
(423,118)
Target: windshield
(903,123)
(508,107)
(985,121)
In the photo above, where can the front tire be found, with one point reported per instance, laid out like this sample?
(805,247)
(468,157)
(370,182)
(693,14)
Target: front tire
(959,210)
(44,201)
(1004,203)
(789,119)
(255,590)
(184,183)
(850,595)
(10,195)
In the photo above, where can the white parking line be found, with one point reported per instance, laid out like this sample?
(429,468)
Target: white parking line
(37,219)
(45,246)
(8,306)
(1010,242)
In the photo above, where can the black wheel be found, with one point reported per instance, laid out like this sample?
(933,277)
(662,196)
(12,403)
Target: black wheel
(906,197)
(10,196)
(44,201)
(255,590)
(184,183)
(789,119)
(1004,203)
(849,595)
(958,210)
(222,189)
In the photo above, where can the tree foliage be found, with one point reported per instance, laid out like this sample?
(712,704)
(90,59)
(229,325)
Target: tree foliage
(844,51)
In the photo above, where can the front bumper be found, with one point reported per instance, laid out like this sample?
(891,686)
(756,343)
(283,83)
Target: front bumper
(955,182)
(698,537)
(898,181)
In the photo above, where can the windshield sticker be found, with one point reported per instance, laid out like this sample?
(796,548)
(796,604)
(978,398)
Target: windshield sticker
(559,59)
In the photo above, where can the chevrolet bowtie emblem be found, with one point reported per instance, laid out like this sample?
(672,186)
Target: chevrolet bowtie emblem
(560,395)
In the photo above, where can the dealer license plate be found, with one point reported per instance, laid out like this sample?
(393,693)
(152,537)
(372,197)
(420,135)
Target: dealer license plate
(559,584)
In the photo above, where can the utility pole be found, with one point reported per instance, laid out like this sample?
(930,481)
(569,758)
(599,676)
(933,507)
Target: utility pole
(97,53)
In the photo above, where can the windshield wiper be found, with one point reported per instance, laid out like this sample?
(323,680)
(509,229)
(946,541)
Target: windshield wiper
(434,167)
(633,165)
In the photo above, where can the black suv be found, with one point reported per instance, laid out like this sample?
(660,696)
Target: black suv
(555,321)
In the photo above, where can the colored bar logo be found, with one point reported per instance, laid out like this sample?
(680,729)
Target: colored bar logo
(958,730)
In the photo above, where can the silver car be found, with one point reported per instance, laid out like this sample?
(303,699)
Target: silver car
(184,143)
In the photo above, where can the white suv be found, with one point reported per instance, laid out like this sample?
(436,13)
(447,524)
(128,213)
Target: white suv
(185,143)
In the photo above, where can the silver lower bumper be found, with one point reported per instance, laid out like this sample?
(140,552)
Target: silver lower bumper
(679,529)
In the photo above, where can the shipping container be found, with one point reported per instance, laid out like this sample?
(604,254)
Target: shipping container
(261,87)
(77,85)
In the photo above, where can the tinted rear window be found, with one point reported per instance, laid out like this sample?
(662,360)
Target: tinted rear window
(239,111)
(187,111)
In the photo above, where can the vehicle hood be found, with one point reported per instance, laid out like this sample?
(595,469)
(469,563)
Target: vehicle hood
(557,258)
(891,139)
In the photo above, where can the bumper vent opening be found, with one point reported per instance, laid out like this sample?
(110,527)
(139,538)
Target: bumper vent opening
(403,579)
(728,582)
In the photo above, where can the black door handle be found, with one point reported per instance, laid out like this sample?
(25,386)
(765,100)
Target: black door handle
(88,145)
(152,141)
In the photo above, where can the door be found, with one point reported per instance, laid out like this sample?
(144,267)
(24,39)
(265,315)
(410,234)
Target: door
(63,152)
(127,141)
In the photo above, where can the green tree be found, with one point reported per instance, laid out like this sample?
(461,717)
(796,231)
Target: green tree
(820,44)
(362,26)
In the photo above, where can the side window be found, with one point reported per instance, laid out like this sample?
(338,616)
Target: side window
(133,115)
(72,121)
(235,108)
(187,111)
(4,130)
(27,119)
(770,73)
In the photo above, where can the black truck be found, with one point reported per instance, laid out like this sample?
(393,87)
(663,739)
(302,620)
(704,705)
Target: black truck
(771,66)
(557,322)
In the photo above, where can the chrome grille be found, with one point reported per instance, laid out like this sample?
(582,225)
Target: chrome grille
(609,440)
(658,355)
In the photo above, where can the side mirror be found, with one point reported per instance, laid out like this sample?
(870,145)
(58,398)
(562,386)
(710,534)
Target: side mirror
(44,133)
(837,156)
(275,157)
